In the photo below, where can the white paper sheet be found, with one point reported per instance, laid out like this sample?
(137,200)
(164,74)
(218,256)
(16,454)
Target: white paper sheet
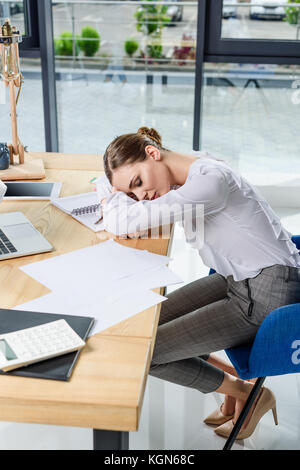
(108,281)
(89,268)
(105,313)
(150,279)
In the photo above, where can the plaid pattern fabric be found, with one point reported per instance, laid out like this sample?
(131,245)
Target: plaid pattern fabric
(212,314)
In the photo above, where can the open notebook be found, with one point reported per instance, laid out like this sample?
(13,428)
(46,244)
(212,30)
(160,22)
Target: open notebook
(83,207)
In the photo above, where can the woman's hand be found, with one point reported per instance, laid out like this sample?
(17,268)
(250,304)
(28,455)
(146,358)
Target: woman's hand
(129,235)
(138,234)
(141,234)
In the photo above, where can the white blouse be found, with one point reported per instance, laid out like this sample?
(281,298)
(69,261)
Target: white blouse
(242,234)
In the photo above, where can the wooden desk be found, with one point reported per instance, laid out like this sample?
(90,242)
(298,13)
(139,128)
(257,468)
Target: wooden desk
(107,386)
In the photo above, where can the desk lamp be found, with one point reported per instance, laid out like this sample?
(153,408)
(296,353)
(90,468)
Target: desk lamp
(12,77)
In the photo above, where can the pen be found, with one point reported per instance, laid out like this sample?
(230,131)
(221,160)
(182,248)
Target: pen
(99,220)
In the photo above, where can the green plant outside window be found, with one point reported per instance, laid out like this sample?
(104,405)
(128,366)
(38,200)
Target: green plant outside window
(292,13)
(151,19)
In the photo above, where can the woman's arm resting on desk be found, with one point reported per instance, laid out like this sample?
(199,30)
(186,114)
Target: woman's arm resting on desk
(123,215)
(104,188)
(129,235)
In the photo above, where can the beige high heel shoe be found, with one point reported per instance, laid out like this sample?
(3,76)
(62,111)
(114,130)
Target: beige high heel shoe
(217,417)
(265,402)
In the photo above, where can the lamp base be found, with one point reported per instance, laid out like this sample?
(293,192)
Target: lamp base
(20,154)
(32,169)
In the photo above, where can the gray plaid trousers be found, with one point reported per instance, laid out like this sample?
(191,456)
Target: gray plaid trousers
(212,314)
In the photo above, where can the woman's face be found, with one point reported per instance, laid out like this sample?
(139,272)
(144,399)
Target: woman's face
(148,179)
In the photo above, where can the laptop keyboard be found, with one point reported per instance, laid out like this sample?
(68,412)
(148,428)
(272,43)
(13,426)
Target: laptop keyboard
(5,245)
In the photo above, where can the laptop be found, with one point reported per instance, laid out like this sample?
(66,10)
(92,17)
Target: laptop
(18,237)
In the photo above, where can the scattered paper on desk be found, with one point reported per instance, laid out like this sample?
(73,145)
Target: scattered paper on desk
(150,279)
(108,281)
(93,267)
(106,314)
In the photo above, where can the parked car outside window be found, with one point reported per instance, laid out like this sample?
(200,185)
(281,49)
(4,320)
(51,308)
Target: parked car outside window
(175,12)
(229,11)
(267,9)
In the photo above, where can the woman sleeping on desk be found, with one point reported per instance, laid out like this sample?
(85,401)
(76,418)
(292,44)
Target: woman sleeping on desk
(243,241)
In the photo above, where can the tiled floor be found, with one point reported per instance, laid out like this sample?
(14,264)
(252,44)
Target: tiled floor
(172,416)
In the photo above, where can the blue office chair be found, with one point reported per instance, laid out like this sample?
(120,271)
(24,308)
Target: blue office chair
(274,351)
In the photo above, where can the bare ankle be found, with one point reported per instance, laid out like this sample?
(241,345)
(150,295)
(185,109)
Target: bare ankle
(235,387)
(228,407)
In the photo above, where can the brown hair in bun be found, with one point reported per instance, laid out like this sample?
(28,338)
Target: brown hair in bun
(151,133)
(130,148)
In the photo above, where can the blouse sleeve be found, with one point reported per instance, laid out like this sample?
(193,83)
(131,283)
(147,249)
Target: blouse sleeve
(201,195)
(104,188)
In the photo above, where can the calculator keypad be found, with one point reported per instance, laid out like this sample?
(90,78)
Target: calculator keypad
(41,342)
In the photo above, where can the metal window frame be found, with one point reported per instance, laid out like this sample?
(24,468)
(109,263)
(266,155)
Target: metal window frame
(45,20)
(199,71)
(244,50)
(39,44)
(30,45)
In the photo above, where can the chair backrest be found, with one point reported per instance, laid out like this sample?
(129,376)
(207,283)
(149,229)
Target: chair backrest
(296,238)
(276,348)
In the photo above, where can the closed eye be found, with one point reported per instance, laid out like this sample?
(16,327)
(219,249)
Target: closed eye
(133,196)
(137,182)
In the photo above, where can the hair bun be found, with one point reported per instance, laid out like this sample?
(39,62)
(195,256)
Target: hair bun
(151,133)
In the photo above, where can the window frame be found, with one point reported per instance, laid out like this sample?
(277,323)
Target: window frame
(30,45)
(218,49)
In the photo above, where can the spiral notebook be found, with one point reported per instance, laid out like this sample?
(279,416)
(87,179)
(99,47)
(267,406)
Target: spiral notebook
(85,208)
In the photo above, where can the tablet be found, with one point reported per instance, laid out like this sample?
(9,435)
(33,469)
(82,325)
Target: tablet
(31,190)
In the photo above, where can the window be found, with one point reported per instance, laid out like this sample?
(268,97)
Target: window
(120,66)
(260,19)
(250,117)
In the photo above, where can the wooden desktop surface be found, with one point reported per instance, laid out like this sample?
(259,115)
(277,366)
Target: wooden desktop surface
(107,385)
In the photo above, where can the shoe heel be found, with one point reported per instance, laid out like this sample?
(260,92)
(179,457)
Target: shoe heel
(274,411)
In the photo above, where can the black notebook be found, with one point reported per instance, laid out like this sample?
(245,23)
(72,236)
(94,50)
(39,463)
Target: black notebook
(57,368)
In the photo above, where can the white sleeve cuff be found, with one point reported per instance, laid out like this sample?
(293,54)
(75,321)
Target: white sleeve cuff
(104,187)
